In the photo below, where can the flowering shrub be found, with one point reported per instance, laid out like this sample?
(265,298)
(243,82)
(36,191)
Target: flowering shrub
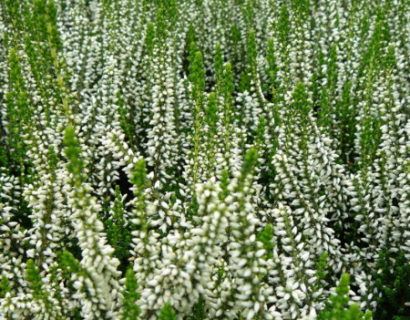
(204,159)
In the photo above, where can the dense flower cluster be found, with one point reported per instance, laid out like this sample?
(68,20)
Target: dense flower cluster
(204,159)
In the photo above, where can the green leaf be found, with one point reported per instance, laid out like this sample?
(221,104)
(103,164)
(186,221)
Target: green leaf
(167,313)
(131,310)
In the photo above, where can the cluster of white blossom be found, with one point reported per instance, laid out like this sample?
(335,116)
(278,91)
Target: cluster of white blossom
(203,159)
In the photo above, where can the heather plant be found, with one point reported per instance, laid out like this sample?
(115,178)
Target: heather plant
(204,159)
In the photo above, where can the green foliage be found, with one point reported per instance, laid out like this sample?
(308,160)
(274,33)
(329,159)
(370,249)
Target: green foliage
(328,91)
(34,279)
(199,311)
(250,160)
(211,113)
(249,73)
(196,73)
(224,184)
(369,139)
(4,286)
(321,265)
(338,308)
(139,176)
(18,112)
(72,152)
(193,207)
(272,68)
(118,235)
(218,66)
(301,104)
(167,313)
(393,281)
(52,158)
(150,38)
(228,85)
(166,17)
(131,310)
(347,124)
(283,23)
(265,236)
(69,264)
